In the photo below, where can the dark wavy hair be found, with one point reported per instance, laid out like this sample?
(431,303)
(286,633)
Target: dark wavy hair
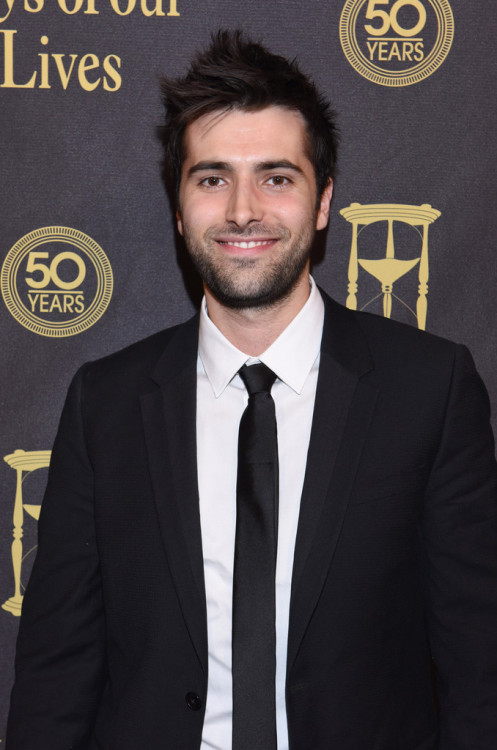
(237,73)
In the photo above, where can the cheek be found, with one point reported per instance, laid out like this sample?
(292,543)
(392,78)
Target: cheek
(296,213)
(201,213)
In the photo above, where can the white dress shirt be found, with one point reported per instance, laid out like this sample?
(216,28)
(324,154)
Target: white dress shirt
(221,400)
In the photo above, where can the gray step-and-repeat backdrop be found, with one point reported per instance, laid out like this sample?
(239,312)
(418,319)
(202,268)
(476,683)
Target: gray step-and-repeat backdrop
(90,260)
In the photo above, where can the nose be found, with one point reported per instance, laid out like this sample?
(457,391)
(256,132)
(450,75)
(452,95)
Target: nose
(244,204)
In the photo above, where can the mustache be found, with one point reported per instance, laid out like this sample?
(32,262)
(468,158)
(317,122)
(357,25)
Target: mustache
(253,230)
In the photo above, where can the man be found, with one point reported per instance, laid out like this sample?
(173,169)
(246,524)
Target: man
(156,616)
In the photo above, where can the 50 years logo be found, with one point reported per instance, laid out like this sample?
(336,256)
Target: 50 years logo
(56,281)
(396,42)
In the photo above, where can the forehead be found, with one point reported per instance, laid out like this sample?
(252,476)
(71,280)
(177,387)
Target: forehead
(273,132)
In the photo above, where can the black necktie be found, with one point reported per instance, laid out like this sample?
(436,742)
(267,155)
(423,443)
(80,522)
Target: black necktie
(254,628)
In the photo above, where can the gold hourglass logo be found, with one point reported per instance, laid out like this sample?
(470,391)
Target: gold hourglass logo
(23,462)
(389,269)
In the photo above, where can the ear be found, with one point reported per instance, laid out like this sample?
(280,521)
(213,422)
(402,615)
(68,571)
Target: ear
(179,223)
(324,206)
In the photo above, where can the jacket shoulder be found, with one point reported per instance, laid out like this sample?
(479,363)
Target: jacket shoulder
(386,336)
(382,331)
(133,366)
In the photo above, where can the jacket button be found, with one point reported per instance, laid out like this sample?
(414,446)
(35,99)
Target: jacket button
(193,701)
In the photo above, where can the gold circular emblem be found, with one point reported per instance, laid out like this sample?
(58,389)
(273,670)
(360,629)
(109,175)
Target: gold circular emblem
(56,281)
(396,42)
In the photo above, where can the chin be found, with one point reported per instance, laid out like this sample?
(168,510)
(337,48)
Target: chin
(252,297)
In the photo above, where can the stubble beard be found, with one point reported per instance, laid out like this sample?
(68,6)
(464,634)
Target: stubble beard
(255,282)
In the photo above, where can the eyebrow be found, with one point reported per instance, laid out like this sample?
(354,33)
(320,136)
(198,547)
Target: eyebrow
(224,166)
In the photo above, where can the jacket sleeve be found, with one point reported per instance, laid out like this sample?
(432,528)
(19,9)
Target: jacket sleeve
(60,657)
(460,536)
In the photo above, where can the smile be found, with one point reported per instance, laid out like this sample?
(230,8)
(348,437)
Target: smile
(247,245)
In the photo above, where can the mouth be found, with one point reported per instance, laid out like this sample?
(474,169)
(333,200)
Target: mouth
(253,245)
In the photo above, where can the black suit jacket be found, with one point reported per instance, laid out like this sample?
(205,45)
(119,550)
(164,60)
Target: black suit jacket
(395,559)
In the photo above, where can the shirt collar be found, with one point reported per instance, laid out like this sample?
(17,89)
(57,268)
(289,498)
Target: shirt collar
(291,356)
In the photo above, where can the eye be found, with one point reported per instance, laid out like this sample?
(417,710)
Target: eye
(278,180)
(212,181)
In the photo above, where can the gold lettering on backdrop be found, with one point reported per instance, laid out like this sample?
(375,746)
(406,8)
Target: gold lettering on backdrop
(10,5)
(65,302)
(396,42)
(390,269)
(88,62)
(90,8)
(8,64)
(62,68)
(44,58)
(112,73)
(116,5)
(77,5)
(155,11)
(121,7)
(23,462)
(64,75)
(125,7)
(57,281)
(38,5)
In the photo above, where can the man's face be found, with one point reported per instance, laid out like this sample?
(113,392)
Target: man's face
(247,204)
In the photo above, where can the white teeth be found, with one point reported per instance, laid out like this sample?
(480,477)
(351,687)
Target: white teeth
(247,245)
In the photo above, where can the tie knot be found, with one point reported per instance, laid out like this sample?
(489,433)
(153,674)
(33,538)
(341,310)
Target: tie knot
(257,378)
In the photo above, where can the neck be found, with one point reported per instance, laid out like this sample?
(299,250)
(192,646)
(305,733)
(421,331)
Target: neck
(253,330)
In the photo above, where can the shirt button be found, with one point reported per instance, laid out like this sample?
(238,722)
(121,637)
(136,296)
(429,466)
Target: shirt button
(193,701)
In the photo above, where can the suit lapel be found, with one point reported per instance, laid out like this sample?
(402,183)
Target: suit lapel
(345,399)
(169,419)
